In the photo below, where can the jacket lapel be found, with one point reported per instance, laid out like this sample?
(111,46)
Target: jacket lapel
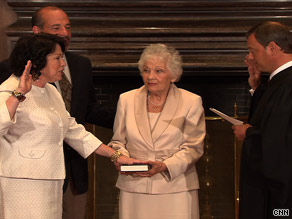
(141,115)
(168,112)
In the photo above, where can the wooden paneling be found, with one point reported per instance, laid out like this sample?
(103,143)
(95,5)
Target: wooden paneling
(209,34)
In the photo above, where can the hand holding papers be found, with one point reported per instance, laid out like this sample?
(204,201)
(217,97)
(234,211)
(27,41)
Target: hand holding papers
(227,118)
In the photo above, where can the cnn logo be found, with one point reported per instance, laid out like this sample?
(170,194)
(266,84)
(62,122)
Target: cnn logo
(281,212)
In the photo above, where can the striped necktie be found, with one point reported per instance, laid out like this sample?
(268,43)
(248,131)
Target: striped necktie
(66,91)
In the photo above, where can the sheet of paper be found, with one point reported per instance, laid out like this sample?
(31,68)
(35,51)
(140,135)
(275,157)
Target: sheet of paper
(227,118)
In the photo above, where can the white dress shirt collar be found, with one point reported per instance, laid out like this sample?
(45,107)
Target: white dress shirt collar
(281,68)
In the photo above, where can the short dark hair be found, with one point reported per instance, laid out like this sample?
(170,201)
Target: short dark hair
(34,47)
(37,19)
(269,31)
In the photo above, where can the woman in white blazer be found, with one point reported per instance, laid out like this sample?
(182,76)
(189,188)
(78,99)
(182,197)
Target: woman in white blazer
(165,125)
(33,124)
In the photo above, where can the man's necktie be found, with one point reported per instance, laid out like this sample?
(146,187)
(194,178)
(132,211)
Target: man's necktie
(66,90)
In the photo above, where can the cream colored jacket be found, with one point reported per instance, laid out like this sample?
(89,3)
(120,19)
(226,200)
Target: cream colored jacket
(31,144)
(177,140)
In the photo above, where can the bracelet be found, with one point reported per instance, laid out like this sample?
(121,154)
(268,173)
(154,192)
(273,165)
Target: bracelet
(115,156)
(20,96)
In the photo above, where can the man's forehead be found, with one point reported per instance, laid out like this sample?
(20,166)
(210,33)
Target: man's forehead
(55,16)
(56,22)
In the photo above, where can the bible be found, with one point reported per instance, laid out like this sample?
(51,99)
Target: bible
(135,167)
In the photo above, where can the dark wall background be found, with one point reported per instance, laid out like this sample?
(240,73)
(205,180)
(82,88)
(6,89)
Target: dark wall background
(219,92)
(209,34)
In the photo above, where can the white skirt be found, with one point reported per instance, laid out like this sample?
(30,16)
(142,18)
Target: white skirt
(30,199)
(181,205)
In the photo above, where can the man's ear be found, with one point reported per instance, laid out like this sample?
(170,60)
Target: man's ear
(36,30)
(273,48)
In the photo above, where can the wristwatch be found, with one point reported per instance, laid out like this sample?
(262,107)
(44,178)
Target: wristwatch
(20,96)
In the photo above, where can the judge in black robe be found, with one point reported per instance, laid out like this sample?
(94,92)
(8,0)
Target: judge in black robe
(266,159)
(266,165)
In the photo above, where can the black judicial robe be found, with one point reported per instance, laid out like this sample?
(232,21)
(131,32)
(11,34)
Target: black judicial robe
(266,159)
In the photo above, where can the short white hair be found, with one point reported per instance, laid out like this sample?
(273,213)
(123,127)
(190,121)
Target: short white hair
(169,54)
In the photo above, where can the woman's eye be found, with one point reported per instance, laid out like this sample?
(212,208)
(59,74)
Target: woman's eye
(59,58)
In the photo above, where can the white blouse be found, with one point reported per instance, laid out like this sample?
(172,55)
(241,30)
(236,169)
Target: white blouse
(153,118)
(31,144)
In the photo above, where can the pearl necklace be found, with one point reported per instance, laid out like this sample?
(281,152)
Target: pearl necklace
(153,106)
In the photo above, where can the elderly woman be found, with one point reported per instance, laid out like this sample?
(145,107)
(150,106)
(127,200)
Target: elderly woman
(165,125)
(33,125)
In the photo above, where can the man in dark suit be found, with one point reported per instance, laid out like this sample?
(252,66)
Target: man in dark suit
(5,71)
(266,164)
(83,107)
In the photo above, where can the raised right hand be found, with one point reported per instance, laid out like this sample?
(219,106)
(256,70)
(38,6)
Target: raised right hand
(25,79)
(254,79)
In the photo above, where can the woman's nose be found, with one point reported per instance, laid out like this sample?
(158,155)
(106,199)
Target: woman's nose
(151,74)
(63,63)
